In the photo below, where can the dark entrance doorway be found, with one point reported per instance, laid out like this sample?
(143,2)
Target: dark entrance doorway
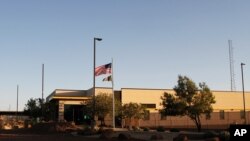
(75,113)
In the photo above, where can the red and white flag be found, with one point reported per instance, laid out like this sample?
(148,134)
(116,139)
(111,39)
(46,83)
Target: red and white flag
(104,69)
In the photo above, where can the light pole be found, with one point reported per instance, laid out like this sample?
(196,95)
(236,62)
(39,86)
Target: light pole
(95,39)
(242,76)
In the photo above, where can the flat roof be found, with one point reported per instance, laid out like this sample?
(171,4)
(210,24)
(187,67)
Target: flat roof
(67,94)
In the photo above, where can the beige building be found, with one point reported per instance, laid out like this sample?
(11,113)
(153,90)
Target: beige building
(228,108)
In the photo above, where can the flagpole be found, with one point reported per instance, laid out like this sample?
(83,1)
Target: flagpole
(112,78)
(94,63)
(93,112)
(42,106)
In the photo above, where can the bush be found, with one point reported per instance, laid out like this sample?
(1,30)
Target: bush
(195,136)
(15,127)
(106,134)
(174,130)
(124,136)
(109,130)
(136,128)
(212,139)
(210,134)
(146,129)
(156,137)
(105,130)
(180,137)
(224,136)
(87,131)
(100,130)
(160,129)
(1,124)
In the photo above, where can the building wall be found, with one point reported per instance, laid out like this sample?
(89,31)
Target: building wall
(103,90)
(229,102)
(144,96)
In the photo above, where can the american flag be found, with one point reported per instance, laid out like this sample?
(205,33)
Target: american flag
(104,69)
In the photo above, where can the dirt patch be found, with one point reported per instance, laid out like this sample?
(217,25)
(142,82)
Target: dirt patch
(50,132)
(44,128)
(53,138)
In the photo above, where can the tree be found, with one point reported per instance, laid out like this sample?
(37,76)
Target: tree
(49,111)
(118,112)
(103,106)
(38,108)
(133,110)
(188,100)
(32,108)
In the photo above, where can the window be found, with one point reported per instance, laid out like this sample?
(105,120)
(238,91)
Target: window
(147,115)
(149,105)
(222,114)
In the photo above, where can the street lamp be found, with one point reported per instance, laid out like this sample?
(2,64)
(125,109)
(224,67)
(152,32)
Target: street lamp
(95,39)
(242,64)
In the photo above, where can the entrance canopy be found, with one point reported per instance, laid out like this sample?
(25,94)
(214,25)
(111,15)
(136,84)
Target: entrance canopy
(64,94)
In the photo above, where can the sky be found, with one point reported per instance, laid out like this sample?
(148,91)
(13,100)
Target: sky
(151,43)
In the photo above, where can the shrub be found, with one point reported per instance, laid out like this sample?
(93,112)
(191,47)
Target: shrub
(1,124)
(104,130)
(174,130)
(195,136)
(146,129)
(87,131)
(160,129)
(124,136)
(136,128)
(109,130)
(212,139)
(180,137)
(156,137)
(210,134)
(15,127)
(107,134)
(224,136)
(100,130)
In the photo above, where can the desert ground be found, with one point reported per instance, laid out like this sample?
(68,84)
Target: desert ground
(28,135)
(67,132)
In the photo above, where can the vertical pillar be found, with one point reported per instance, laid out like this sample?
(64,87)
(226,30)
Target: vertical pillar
(61,111)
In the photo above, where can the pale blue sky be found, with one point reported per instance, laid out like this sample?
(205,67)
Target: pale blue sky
(151,42)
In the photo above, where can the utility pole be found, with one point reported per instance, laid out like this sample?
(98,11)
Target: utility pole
(17,103)
(231,62)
